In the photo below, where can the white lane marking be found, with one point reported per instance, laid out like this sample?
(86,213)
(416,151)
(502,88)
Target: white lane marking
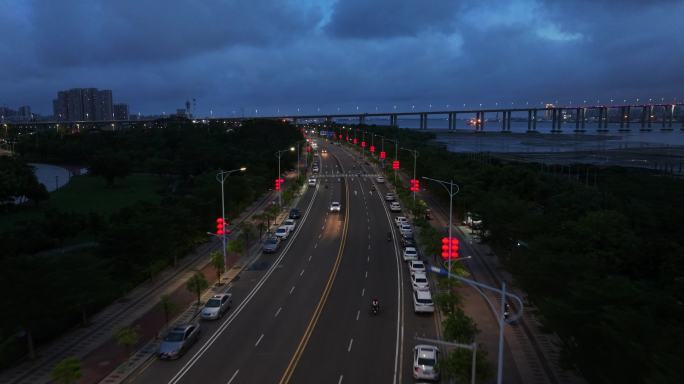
(363,291)
(233,377)
(340,380)
(291,289)
(366,275)
(368,257)
(351,341)
(319,235)
(301,273)
(323,227)
(357,315)
(315,245)
(259,341)
(278,312)
(310,257)
(369,247)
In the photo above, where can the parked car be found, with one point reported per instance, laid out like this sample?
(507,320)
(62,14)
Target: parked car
(416,266)
(389,197)
(315,169)
(400,220)
(410,253)
(178,341)
(282,232)
(216,306)
(406,230)
(289,224)
(271,245)
(295,213)
(422,301)
(335,206)
(380,179)
(407,241)
(419,280)
(395,207)
(312,182)
(425,358)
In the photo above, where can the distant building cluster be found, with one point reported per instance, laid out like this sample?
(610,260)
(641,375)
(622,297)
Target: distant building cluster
(22,113)
(87,104)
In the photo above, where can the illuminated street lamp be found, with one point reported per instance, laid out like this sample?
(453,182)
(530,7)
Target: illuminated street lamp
(278,155)
(221,177)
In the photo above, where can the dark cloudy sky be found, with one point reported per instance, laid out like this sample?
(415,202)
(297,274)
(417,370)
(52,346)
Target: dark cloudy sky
(270,55)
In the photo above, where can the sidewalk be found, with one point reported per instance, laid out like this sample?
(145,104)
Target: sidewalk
(95,344)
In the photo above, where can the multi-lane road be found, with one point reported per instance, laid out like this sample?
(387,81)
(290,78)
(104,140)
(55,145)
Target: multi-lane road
(302,314)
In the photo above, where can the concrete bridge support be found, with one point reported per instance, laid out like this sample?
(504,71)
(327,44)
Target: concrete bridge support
(393,120)
(423,121)
(452,121)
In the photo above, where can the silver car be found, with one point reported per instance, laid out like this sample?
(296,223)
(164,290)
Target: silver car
(178,341)
(425,358)
(271,245)
(216,306)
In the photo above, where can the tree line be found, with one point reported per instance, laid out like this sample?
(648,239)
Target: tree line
(47,292)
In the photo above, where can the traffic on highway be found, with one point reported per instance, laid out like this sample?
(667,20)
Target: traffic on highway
(337,294)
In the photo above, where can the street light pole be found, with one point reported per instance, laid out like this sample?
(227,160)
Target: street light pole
(278,155)
(396,155)
(502,319)
(450,191)
(221,177)
(415,158)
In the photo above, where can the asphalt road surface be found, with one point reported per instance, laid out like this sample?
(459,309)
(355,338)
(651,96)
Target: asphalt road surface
(302,315)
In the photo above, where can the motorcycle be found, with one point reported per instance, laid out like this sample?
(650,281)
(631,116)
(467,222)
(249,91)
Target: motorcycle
(375,309)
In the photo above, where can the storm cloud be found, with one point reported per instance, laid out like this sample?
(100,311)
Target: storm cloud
(272,56)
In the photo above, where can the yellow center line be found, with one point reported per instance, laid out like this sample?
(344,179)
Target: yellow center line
(287,375)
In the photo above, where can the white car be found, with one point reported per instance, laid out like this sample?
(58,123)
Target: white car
(416,266)
(380,179)
(315,169)
(216,306)
(400,220)
(406,230)
(282,232)
(422,301)
(289,224)
(419,280)
(395,207)
(410,253)
(335,206)
(312,182)
(389,197)
(425,358)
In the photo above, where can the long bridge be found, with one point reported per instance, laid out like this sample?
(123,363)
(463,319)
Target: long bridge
(645,116)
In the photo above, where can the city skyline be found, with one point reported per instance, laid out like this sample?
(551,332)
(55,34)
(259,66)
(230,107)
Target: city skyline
(319,56)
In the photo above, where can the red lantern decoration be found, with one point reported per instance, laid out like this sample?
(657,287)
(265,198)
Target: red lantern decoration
(415,185)
(383,154)
(355,141)
(220,226)
(395,164)
(445,248)
(340,136)
(363,144)
(277,184)
(372,148)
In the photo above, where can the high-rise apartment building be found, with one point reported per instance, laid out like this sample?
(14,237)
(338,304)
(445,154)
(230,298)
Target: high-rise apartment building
(84,104)
(120,111)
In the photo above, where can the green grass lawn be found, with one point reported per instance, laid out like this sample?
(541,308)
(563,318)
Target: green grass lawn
(85,194)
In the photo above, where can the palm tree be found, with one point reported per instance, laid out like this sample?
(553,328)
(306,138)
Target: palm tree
(67,371)
(196,284)
(168,306)
(127,337)
(216,261)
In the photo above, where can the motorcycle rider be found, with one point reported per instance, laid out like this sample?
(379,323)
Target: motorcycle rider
(375,305)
